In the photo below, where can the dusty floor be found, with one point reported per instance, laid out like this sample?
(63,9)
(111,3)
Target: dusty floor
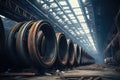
(92,72)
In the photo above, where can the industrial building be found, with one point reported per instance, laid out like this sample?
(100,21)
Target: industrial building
(59,40)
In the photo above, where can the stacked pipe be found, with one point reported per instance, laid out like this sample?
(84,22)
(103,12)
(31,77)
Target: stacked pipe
(32,43)
(35,43)
(62,51)
(86,58)
(77,51)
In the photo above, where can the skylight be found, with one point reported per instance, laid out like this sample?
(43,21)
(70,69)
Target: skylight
(65,7)
(85,30)
(77,11)
(74,21)
(67,11)
(53,5)
(2,16)
(74,3)
(62,3)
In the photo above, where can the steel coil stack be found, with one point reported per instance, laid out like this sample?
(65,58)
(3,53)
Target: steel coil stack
(35,43)
(77,51)
(86,58)
(32,43)
(71,54)
(62,51)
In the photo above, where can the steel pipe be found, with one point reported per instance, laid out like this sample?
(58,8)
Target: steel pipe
(62,54)
(21,43)
(11,45)
(77,52)
(71,53)
(43,28)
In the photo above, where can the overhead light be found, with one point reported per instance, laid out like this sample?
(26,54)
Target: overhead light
(78,33)
(84,25)
(74,3)
(83,1)
(39,1)
(66,27)
(88,16)
(79,28)
(81,18)
(70,15)
(51,0)
(63,3)
(58,9)
(54,14)
(69,22)
(77,11)
(53,5)
(81,32)
(65,7)
(74,21)
(86,10)
(87,31)
(67,11)
(2,16)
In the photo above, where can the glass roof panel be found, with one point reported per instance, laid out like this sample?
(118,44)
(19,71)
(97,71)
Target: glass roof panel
(74,3)
(67,11)
(74,21)
(63,2)
(77,11)
(66,7)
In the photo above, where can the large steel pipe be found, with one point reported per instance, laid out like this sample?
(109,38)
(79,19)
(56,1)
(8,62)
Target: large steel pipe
(62,54)
(21,43)
(11,45)
(71,53)
(82,56)
(77,52)
(36,33)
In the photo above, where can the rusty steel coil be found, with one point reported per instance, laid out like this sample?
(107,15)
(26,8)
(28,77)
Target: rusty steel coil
(36,33)
(77,52)
(11,45)
(21,43)
(71,53)
(62,54)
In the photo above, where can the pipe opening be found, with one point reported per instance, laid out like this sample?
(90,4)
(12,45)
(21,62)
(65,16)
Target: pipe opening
(62,52)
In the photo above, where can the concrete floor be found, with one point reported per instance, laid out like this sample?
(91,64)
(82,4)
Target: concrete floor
(92,72)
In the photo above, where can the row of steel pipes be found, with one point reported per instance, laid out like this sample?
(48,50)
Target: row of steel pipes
(35,43)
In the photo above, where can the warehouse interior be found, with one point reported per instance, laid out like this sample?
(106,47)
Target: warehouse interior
(59,39)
